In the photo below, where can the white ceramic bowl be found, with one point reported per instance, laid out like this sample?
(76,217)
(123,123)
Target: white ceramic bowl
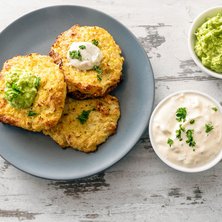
(175,166)
(198,21)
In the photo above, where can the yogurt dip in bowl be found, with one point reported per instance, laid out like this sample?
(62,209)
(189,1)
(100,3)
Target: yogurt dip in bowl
(185,131)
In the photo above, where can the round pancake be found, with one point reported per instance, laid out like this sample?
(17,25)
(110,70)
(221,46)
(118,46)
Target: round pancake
(50,98)
(86,136)
(83,84)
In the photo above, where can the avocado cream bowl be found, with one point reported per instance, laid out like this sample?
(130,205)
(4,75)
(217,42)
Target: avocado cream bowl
(205,41)
(185,131)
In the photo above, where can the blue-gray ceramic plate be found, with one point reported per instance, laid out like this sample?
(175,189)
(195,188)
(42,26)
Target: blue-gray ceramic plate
(39,155)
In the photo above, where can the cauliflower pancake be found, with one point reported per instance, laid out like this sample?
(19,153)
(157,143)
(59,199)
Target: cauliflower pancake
(86,123)
(48,104)
(87,83)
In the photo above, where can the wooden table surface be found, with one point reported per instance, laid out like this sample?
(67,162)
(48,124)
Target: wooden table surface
(139,187)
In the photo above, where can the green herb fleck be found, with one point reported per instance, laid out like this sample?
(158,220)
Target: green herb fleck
(208,127)
(75,54)
(83,117)
(32,113)
(99,77)
(179,132)
(181,114)
(95,42)
(82,47)
(99,71)
(215,109)
(190,140)
(192,121)
(37,82)
(170,142)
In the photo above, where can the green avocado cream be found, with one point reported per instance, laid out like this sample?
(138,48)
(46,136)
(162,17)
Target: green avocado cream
(208,45)
(21,88)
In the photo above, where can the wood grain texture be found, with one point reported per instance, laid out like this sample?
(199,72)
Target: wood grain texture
(140,187)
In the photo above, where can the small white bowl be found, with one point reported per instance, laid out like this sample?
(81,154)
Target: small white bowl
(198,21)
(175,166)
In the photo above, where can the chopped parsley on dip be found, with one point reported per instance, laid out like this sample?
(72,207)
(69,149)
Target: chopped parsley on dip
(21,88)
(208,44)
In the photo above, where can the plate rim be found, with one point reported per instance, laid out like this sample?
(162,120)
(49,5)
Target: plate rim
(148,109)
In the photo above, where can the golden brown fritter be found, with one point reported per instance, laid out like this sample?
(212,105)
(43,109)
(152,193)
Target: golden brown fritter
(83,84)
(86,123)
(50,98)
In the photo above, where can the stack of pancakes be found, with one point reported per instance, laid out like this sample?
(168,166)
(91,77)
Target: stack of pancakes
(65,92)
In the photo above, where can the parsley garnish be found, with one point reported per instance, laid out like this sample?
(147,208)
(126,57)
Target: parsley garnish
(190,140)
(83,117)
(179,132)
(208,127)
(32,113)
(170,142)
(37,82)
(215,109)
(75,54)
(99,71)
(82,47)
(95,42)
(181,114)
(99,77)
(192,121)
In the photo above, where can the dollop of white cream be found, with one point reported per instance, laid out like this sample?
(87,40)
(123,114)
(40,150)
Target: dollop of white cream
(91,55)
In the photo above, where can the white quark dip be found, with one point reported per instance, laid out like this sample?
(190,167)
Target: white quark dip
(171,138)
(88,55)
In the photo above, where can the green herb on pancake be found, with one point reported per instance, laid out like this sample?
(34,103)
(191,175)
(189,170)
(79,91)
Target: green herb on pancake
(83,117)
(95,42)
(99,77)
(99,71)
(32,113)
